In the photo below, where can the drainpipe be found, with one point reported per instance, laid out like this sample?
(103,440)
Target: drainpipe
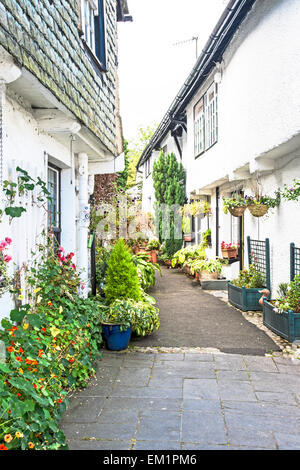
(83,221)
(217,220)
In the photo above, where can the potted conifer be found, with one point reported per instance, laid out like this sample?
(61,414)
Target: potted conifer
(122,284)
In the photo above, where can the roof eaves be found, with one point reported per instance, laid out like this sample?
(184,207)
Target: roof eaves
(227,25)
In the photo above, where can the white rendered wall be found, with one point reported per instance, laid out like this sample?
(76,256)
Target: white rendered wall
(26,147)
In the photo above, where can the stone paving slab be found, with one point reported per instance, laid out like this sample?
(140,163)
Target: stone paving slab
(230,402)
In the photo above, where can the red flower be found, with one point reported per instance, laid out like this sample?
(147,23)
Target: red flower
(43,329)
(8,240)
(50,303)
(19,359)
(34,386)
(7,258)
(2,447)
(10,349)
(71,360)
(59,400)
(21,350)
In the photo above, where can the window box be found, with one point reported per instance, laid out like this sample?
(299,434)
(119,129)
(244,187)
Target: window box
(285,324)
(243,298)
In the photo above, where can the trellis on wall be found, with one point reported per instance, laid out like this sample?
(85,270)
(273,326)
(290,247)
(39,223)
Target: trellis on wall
(294,260)
(259,254)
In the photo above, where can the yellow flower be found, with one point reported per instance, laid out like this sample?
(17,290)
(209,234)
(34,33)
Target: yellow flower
(30,445)
(20,297)
(37,290)
(54,331)
(21,371)
(8,438)
(25,326)
(19,435)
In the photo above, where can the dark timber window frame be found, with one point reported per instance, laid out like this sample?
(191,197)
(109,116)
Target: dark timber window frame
(56,229)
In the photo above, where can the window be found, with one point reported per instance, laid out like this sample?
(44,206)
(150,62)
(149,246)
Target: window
(147,167)
(93,27)
(54,205)
(206,121)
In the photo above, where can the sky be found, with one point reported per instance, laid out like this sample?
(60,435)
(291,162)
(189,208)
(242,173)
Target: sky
(151,68)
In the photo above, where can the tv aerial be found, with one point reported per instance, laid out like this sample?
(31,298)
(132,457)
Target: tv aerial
(193,39)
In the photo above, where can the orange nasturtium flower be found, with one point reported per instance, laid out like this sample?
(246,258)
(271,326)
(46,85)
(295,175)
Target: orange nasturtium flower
(41,352)
(8,438)
(2,447)
(19,359)
(30,445)
(10,349)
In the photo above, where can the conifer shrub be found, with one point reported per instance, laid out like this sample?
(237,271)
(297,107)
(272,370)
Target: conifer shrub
(122,280)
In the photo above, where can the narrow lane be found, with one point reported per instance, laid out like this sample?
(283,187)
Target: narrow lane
(190,317)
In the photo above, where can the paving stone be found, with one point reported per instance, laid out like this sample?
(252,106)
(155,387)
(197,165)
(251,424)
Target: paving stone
(146,392)
(137,363)
(266,423)
(169,357)
(276,397)
(115,415)
(259,408)
(200,388)
(185,369)
(201,357)
(96,444)
(157,445)
(251,438)
(287,441)
(239,375)
(135,376)
(96,389)
(165,424)
(258,363)
(118,431)
(207,428)
(207,406)
(237,390)
(229,362)
(162,381)
(141,404)
(83,410)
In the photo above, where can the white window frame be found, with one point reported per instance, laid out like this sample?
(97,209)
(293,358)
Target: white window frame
(206,121)
(89,9)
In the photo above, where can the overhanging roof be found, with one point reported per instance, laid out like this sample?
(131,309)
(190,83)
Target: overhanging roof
(229,22)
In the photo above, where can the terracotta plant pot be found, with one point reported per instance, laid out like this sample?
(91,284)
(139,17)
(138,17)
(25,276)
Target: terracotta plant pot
(154,256)
(205,275)
(229,253)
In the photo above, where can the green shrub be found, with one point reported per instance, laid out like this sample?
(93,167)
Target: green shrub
(122,280)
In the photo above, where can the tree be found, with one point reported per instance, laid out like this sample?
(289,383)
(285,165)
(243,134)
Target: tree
(135,149)
(122,280)
(169,184)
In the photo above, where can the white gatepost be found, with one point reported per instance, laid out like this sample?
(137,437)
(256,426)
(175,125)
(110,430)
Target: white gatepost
(83,221)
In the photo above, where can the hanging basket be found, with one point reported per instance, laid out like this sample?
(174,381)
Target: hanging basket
(237,211)
(258,210)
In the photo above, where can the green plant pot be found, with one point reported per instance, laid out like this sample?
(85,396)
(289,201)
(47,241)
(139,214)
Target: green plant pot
(285,324)
(243,298)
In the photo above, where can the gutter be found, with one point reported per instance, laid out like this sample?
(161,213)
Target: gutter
(231,18)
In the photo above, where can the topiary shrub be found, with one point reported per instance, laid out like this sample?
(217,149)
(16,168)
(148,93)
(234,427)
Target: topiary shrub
(122,280)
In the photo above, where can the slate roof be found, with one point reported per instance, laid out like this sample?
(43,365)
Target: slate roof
(43,37)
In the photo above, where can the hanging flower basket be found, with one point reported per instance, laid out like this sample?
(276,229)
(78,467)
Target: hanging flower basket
(258,210)
(237,211)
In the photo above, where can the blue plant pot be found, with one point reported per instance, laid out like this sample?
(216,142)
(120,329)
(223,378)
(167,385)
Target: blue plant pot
(115,339)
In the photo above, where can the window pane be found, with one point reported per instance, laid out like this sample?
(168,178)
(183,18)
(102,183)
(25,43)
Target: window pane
(53,188)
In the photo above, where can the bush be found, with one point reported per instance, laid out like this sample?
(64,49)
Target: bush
(52,344)
(146,270)
(122,280)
